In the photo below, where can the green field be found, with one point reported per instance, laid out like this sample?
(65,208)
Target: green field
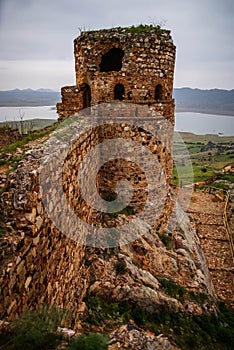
(206,154)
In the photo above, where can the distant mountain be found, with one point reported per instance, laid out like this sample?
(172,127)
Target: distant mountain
(29,97)
(214,101)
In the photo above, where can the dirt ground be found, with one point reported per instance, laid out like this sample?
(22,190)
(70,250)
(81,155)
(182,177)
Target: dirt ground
(207,210)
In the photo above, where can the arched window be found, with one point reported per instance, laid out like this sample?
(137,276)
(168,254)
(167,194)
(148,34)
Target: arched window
(112,60)
(158,92)
(86,95)
(119,92)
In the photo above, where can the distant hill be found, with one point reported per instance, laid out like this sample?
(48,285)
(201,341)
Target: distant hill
(214,101)
(28,97)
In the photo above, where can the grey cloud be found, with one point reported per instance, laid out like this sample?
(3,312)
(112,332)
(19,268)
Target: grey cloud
(33,29)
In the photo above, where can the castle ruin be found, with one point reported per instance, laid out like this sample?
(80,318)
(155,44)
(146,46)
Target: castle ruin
(122,64)
(134,66)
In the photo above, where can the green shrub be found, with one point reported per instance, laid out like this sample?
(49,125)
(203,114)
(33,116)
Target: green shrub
(3,162)
(228,176)
(172,289)
(220,185)
(139,315)
(93,341)
(198,297)
(99,311)
(36,330)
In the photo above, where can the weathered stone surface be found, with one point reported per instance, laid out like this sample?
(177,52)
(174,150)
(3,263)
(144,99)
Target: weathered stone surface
(8,135)
(146,62)
(42,265)
(132,337)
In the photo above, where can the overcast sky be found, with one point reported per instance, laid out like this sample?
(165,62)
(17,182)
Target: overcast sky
(36,38)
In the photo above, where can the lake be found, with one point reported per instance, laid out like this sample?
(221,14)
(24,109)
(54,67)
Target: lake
(187,121)
(13,113)
(199,123)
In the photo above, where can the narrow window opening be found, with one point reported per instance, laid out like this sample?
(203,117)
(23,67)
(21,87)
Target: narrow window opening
(119,92)
(86,95)
(158,92)
(112,60)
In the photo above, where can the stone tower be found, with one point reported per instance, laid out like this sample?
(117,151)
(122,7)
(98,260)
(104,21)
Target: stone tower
(133,64)
(133,67)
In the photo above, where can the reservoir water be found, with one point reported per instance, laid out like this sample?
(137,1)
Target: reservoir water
(199,123)
(14,113)
(196,123)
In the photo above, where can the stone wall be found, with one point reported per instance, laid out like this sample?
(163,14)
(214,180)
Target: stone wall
(43,256)
(87,132)
(38,263)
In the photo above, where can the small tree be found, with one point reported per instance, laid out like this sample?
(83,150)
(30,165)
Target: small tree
(21,117)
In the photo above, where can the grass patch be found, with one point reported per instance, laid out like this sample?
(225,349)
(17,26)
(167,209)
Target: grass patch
(34,136)
(134,30)
(14,162)
(199,298)
(142,28)
(100,311)
(36,330)
(3,162)
(7,154)
(172,289)
(93,341)
(220,185)
(228,177)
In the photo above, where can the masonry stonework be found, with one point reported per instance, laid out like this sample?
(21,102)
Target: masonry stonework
(137,69)
(116,64)
(39,264)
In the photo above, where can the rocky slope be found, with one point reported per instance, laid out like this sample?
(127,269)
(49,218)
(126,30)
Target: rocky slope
(159,273)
